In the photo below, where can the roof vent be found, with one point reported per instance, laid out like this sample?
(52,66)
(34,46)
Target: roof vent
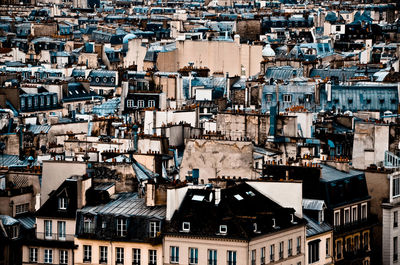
(274,226)
(223,229)
(292,219)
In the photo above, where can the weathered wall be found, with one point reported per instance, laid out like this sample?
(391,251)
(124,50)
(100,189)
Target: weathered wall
(218,158)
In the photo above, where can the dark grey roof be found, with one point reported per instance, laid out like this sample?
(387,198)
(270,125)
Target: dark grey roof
(313,228)
(332,174)
(126,204)
(28,222)
(312,204)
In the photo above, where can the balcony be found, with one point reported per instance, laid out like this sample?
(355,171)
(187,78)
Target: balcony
(55,236)
(359,224)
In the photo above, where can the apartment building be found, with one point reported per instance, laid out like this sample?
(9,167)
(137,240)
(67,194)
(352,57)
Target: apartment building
(236,225)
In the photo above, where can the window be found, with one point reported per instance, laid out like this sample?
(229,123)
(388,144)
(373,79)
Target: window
(35,101)
(212,257)
(88,225)
(103,254)
(62,203)
(281,250)
(396,185)
(262,256)
(151,103)
(21,208)
(55,100)
(48,256)
(272,253)
(41,100)
(154,228)
(320,216)
(22,103)
(290,247)
(193,255)
(174,254)
(354,214)
(253,257)
(231,257)
(366,241)
(33,255)
(120,255)
(15,230)
(87,253)
(338,249)
(61,230)
(129,103)
(136,256)
(364,211)
(63,257)
(348,245)
(121,227)
(356,243)
(223,229)
(48,229)
(287,98)
(141,103)
(328,247)
(298,248)
(152,257)
(395,249)
(337,218)
(396,219)
(186,226)
(313,251)
(269,97)
(337,28)
(346,216)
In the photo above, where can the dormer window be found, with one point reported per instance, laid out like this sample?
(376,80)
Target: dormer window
(88,225)
(321,216)
(223,229)
(185,226)
(292,219)
(62,203)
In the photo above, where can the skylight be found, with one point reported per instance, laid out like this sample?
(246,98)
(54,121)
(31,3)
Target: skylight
(250,193)
(198,198)
(238,197)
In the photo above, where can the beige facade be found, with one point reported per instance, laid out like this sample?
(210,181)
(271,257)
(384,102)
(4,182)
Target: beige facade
(219,56)
(135,55)
(244,249)
(325,248)
(112,246)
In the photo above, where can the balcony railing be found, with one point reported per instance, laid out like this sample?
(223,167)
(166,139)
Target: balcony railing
(55,236)
(356,224)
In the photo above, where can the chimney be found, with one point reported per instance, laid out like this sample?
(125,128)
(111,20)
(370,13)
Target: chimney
(83,185)
(150,194)
(287,175)
(217,195)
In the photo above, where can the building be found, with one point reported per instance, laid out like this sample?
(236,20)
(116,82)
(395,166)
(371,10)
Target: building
(237,225)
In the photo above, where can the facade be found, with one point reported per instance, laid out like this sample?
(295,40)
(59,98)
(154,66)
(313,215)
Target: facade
(230,225)
(123,230)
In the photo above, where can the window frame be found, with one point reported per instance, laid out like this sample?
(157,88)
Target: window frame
(193,256)
(212,257)
(33,255)
(174,254)
(63,256)
(119,255)
(87,253)
(48,256)
(103,254)
(136,256)
(122,226)
(231,257)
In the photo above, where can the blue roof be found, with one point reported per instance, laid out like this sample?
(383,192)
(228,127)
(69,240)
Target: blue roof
(8,220)
(109,107)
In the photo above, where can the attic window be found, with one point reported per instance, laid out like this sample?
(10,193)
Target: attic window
(62,203)
(250,193)
(368,101)
(223,229)
(238,197)
(198,198)
(186,226)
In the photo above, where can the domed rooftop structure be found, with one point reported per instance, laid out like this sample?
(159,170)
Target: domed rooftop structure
(128,37)
(268,51)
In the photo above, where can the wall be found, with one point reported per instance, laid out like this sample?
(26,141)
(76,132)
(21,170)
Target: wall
(78,256)
(135,55)
(323,258)
(218,158)
(165,117)
(218,56)
(285,193)
(54,174)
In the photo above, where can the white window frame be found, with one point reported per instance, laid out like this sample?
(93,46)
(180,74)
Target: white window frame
(287,98)
(152,256)
(48,256)
(354,218)
(61,230)
(174,254)
(22,208)
(212,257)
(48,229)
(185,226)
(119,255)
(121,226)
(103,258)
(364,206)
(62,203)
(63,257)
(136,256)
(140,103)
(87,225)
(33,255)
(223,229)
(328,247)
(155,228)
(231,257)
(336,222)
(130,103)
(87,253)
(396,187)
(151,103)
(347,221)
(193,256)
